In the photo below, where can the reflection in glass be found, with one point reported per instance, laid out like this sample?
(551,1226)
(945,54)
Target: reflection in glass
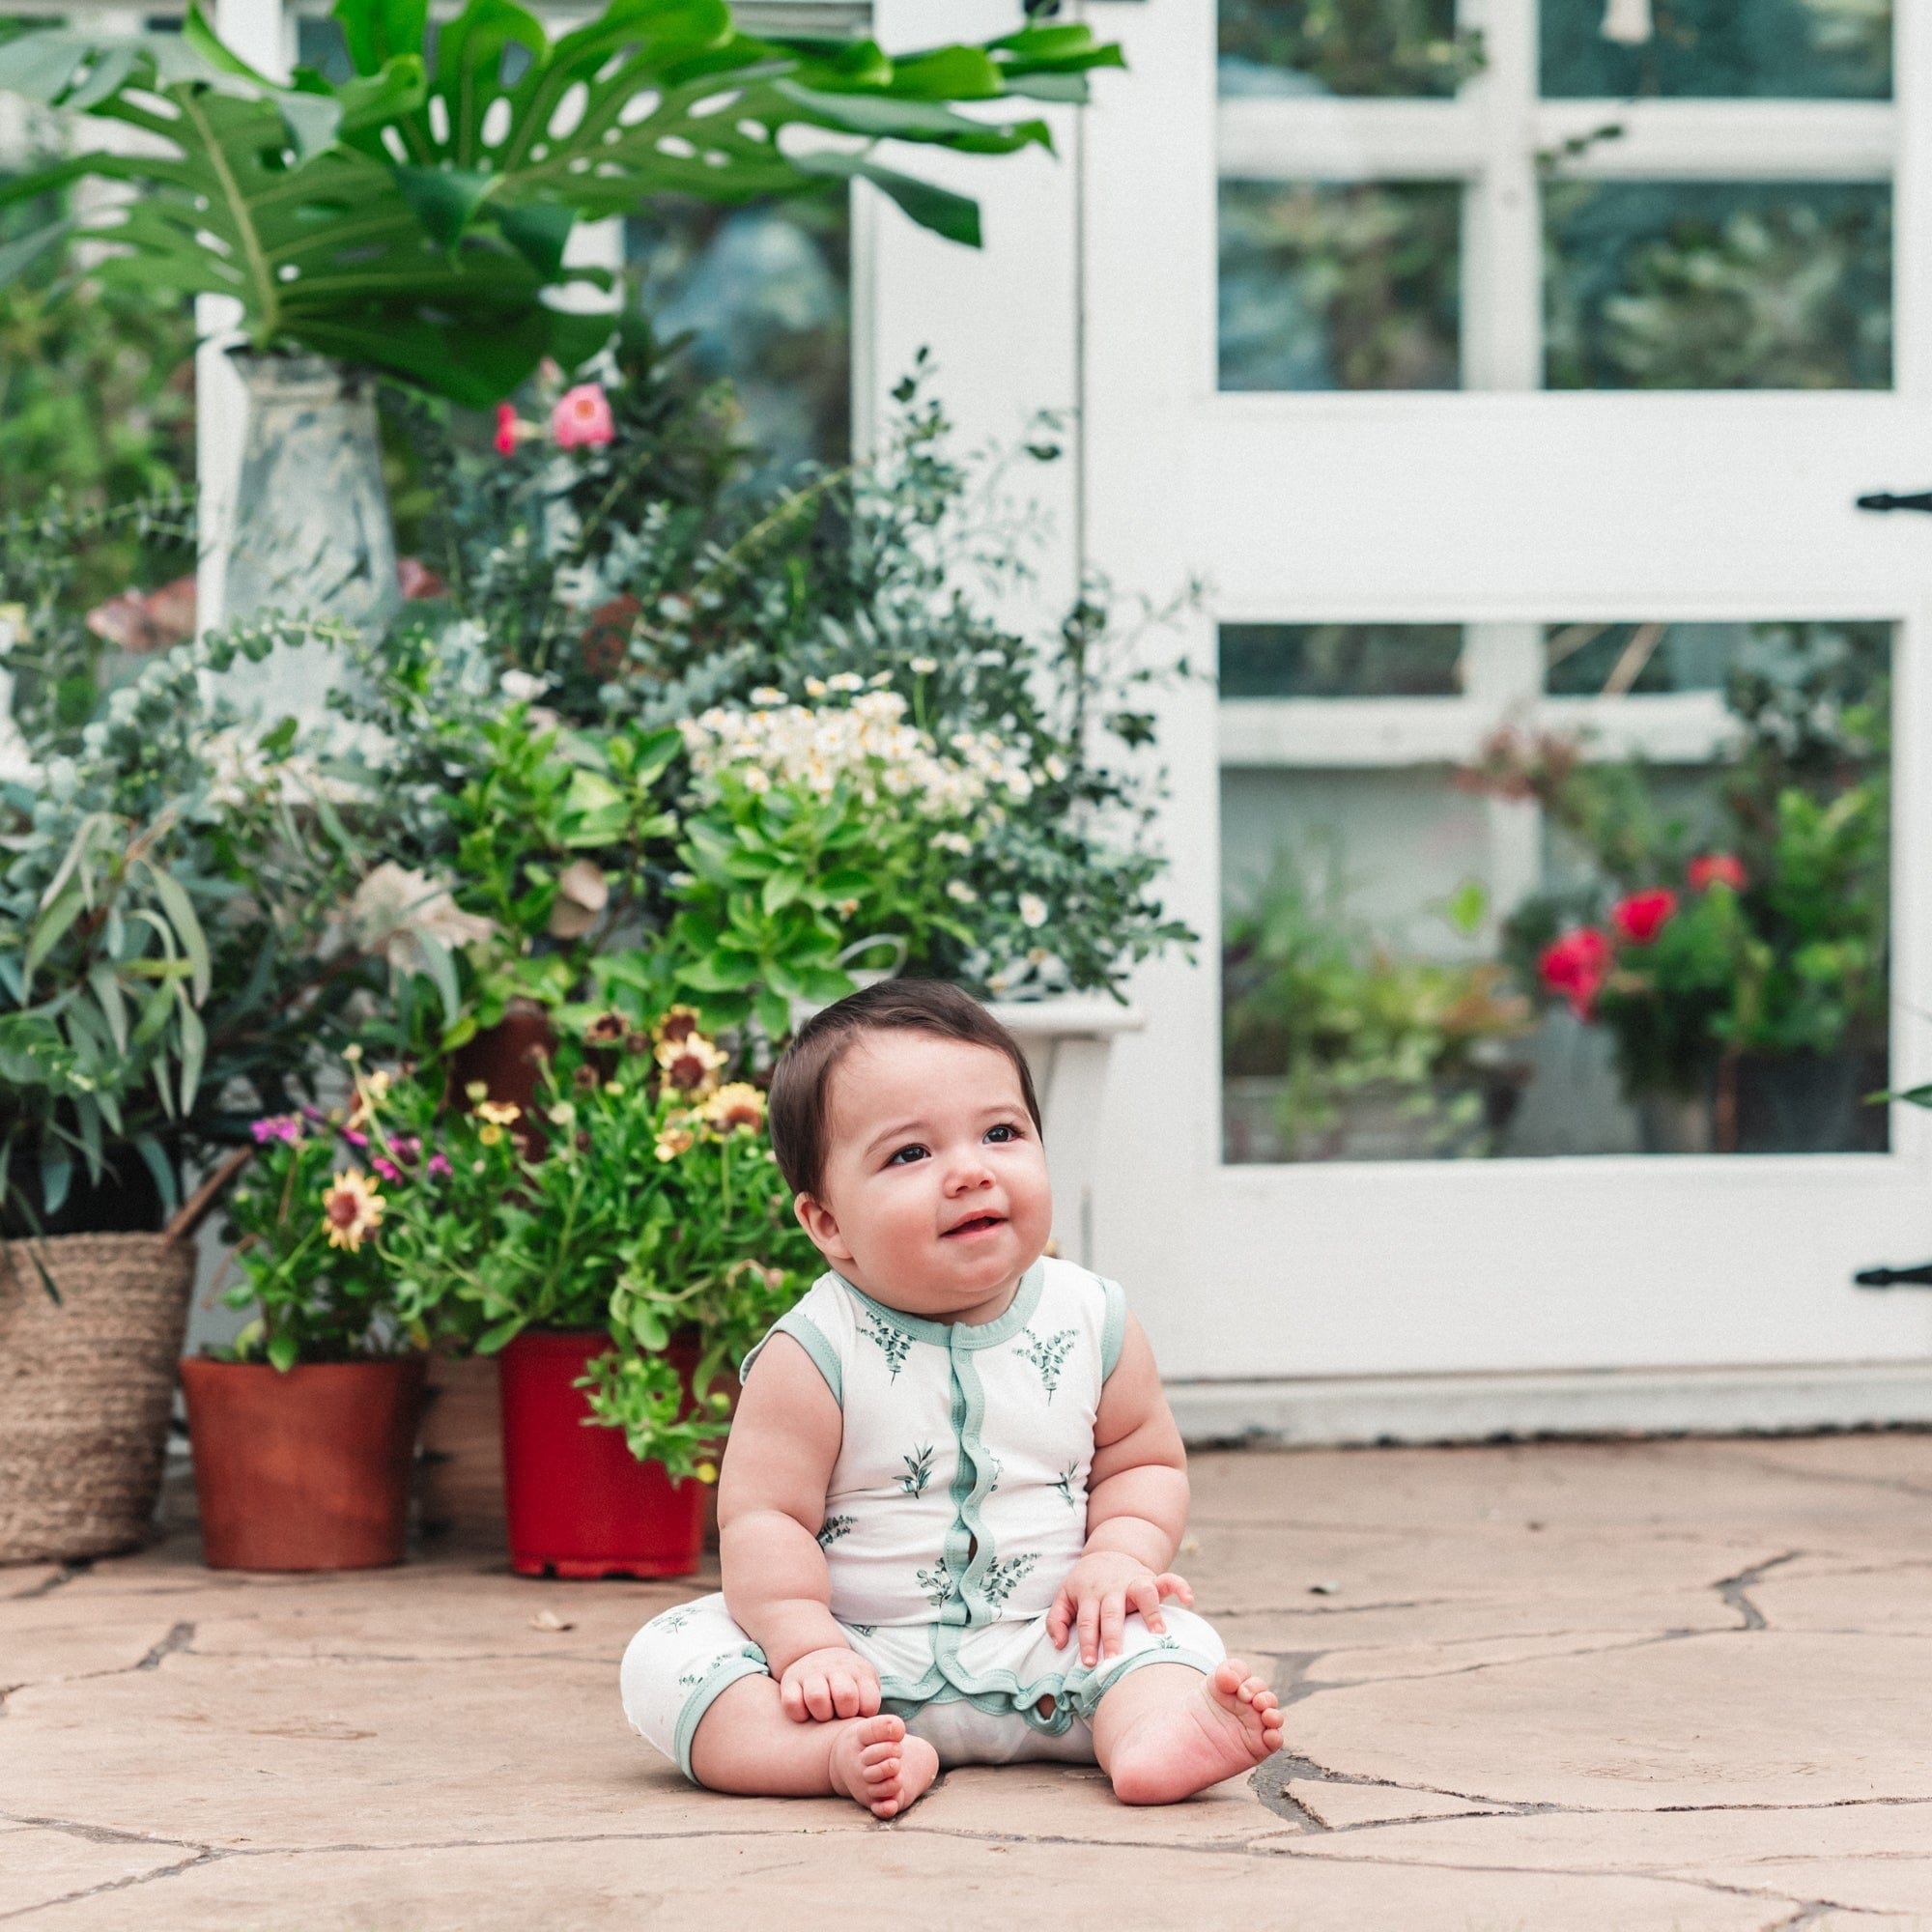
(1701,965)
(1712,49)
(1638,660)
(1341,660)
(1340,286)
(1717,285)
(765,295)
(1348,47)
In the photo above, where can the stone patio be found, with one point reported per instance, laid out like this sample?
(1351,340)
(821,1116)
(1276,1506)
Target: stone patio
(1559,1686)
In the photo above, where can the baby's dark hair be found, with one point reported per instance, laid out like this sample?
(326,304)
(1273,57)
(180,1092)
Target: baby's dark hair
(802,1080)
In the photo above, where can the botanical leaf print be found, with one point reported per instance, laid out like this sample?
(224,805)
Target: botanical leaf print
(895,1342)
(672,1620)
(997,1469)
(835,1527)
(1064,1482)
(919,1469)
(937,1584)
(1005,1576)
(1048,1357)
(698,1673)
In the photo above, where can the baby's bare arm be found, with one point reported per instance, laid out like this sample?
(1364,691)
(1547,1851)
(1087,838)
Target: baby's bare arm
(1137,1488)
(771,1506)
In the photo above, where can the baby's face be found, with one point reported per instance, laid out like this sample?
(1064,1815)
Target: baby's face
(934,1198)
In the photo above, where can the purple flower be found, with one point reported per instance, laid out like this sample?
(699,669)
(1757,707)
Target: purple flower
(355,1137)
(437,1166)
(284,1127)
(387,1169)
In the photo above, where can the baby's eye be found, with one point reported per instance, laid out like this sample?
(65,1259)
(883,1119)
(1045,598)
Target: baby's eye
(1004,1131)
(906,1155)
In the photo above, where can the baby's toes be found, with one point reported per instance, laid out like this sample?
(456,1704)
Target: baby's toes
(878,1763)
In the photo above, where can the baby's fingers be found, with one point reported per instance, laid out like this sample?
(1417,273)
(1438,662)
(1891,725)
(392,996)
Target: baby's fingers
(791,1698)
(1113,1617)
(848,1696)
(819,1696)
(1090,1630)
(1177,1587)
(1059,1618)
(1146,1596)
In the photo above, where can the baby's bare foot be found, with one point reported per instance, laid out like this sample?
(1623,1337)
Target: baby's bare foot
(1183,1747)
(875,1760)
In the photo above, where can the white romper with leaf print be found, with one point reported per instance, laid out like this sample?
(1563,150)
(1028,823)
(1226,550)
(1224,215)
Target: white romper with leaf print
(956,1508)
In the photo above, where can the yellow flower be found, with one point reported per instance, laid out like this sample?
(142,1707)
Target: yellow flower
(490,1133)
(500,1112)
(351,1207)
(673,1138)
(477,1089)
(691,1063)
(738,1106)
(707,1472)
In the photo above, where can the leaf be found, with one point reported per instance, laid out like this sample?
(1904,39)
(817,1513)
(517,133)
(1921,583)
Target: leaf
(955,217)
(175,903)
(193,1050)
(17,257)
(283,1352)
(504,1332)
(56,1178)
(112,1001)
(440,968)
(52,927)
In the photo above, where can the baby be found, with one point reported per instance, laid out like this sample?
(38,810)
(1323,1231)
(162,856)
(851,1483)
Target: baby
(952,1487)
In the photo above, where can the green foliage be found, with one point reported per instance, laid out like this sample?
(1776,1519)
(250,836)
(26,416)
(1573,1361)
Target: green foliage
(53,558)
(1355,47)
(411,218)
(344,1218)
(165,910)
(1311,998)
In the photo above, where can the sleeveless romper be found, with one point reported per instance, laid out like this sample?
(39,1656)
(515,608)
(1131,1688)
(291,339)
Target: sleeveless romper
(956,1508)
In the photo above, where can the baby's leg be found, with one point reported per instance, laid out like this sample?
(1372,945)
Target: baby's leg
(1165,1731)
(745,1743)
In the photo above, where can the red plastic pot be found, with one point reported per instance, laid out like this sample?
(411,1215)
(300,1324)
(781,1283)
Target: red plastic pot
(307,1469)
(579,1503)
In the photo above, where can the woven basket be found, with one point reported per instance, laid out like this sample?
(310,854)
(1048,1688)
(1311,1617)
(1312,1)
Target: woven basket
(85,1388)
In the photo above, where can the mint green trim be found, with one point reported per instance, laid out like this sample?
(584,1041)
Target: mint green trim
(1084,1700)
(809,1337)
(1114,1330)
(957,1335)
(726,1671)
(969,1545)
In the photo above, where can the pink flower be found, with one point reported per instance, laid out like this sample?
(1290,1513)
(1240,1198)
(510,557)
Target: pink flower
(437,1166)
(1575,964)
(355,1137)
(506,429)
(1641,917)
(276,1128)
(1716,868)
(387,1169)
(582,417)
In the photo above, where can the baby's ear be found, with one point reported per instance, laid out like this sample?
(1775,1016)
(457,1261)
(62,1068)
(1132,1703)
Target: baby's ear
(821,1228)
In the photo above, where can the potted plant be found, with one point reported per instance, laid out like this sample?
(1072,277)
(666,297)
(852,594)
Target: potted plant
(414,219)
(169,880)
(304,1429)
(1336,1049)
(633,1255)
(1736,950)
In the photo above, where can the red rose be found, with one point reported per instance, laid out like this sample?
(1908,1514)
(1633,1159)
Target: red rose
(1641,917)
(1574,964)
(1716,868)
(506,429)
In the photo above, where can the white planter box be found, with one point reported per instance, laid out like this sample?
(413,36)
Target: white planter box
(1068,1043)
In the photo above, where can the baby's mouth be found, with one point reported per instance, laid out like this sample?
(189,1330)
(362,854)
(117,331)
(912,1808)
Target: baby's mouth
(980,1224)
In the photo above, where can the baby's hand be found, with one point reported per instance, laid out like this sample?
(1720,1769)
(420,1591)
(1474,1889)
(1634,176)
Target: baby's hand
(829,1682)
(1097,1596)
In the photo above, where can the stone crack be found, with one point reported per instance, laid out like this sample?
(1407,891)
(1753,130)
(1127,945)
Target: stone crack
(48,1585)
(178,1638)
(1732,1589)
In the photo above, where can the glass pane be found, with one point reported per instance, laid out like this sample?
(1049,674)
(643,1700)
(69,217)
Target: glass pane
(1698,963)
(1717,285)
(319,43)
(1618,660)
(1713,49)
(1359,48)
(1340,286)
(1341,660)
(766,294)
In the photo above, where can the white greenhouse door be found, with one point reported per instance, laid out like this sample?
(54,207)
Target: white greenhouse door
(1527,521)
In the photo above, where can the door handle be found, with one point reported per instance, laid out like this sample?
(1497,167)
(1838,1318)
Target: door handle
(1881,1277)
(1883,499)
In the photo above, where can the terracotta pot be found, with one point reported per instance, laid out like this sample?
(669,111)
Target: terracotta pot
(302,1471)
(507,1058)
(579,1503)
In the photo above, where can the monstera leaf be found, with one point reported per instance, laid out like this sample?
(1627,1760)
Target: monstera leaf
(414,219)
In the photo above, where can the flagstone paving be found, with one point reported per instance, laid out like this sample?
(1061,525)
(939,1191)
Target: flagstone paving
(1558,1686)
